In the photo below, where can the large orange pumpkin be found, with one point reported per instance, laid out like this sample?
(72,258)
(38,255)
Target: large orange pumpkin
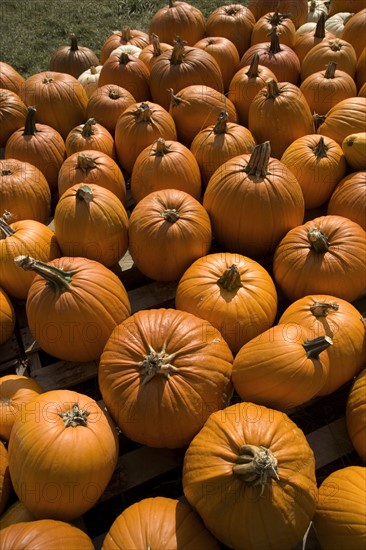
(356,414)
(73,59)
(128,72)
(324,255)
(13,113)
(298,9)
(339,520)
(354,31)
(178,18)
(63,473)
(225,53)
(168,230)
(250,474)
(284,26)
(252,201)
(73,305)
(90,135)
(347,198)
(179,527)
(107,103)
(305,41)
(162,373)
(10,79)
(345,118)
(44,533)
(234,293)
(337,50)
(234,22)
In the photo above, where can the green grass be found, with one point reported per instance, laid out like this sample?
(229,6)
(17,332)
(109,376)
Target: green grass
(32,29)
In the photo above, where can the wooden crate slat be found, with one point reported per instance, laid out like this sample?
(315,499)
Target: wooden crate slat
(62,374)
(152,295)
(330,442)
(9,350)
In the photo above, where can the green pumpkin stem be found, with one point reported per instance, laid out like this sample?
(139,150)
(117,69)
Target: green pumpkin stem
(316,346)
(55,276)
(330,70)
(156,363)
(30,122)
(256,466)
(170,215)
(230,279)
(321,309)
(74,43)
(85,163)
(161,148)
(320,27)
(88,129)
(85,193)
(318,240)
(320,150)
(258,162)
(221,124)
(74,417)
(178,51)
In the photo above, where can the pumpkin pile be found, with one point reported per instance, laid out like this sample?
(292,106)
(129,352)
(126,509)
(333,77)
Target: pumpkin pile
(225,154)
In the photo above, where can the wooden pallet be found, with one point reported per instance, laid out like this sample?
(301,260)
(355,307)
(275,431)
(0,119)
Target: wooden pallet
(144,471)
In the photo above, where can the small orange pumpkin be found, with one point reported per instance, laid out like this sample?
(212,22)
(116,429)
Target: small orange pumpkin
(128,72)
(10,79)
(73,59)
(13,113)
(90,135)
(234,22)
(107,103)
(178,18)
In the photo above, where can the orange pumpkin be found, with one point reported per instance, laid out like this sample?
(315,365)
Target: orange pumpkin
(347,198)
(73,59)
(10,79)
(234,22)
(352,6)
(15,391)
(123,37)
(128,72)
(84,301)
(354,31)
(150,53)
(16,513)
(315,257)
(225,53)
(354,148)
(5,481)
(64,475)
(178,18)
(345,118)
(234,293)
(168,230)
(7,319)
(360,76)
(339,519)
(252,201)
(44,533)
(356,414)
(167,369)
(284,26)
(330,316)
(250,474)
(90,135)
(164,165)
(305,41)
(337,50)
(180,526)
(13,113)
(298,9)
(107,103)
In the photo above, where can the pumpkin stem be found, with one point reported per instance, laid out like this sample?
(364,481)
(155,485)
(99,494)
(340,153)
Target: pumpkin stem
(231,10)
(256,466)
(88,129)
(113,94)
(74,43)
(318,120)
(316,346)
(320,27)
(85,163)
(253,72)
(30,122)
(5,229)
(273,90)
(46,80)
(320,150)
(170,215)
(275,46)
(85,193)
(176,100)
(221,124)
(125,34)
(74,417)
(143,113)
(161,148)
(276,18)
(93,70)
(330,70)
(258,162)
(54,276)
(318,240)
(156,362)
(124,58)
(336,45)
(154,40)
(350,140)
(312,6)
(321,309)
(178,51)
(6,172)
(171,2)
(230,279)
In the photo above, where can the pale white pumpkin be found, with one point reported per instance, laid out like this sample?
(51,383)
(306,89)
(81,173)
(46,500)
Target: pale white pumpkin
(89,79)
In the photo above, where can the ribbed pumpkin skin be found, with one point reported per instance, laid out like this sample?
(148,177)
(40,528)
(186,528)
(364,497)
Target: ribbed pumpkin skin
(15,391)
(90,136)
(298,9)
(82,457)
(356,414)
(44,533)
(13,113)
(342,322)
(354,148)
(345,118)
(16,513)
(339,520)
(277,519)
(10,79)
(318,164)
(107,103)
(273,369)
(225,53)
(251,216)
(234,22)
(197,106)
(5,483)
(60,99)
(95,227)
(168,230)
(131,74)
(263,27)
(239,314)
(98,168)
(30,238)
(197,67)
(280,119)
(343,54)
(135,131)
(284,64)
(179,527)
(178,19)
(175,403)
(72,58)
(79,321)
(360,77)
(347,198)
(299,270)
(354,31)
(24,191)
(175,168)
(7,318)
